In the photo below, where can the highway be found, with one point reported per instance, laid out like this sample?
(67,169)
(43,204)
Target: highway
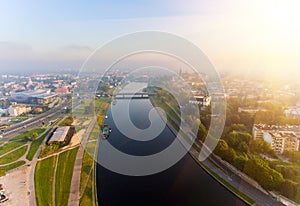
(33,122)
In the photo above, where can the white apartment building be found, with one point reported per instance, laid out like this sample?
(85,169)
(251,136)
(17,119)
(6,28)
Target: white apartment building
(281,138)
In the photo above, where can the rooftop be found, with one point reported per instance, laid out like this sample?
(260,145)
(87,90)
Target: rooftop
(267,127)
(60,134)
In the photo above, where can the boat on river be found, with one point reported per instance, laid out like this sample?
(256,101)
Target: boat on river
(106,130)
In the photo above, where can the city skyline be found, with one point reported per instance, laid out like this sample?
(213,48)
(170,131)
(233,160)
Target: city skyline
(257,37)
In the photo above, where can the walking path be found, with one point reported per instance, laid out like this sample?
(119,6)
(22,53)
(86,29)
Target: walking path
(54,181)
(75,184)
(23,158)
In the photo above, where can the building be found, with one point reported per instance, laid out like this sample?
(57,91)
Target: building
(293,113)
(42,97)
(62,136)
(281,138)
(202,100)
(282,141)
(15,111)
(258,130)
(62,91)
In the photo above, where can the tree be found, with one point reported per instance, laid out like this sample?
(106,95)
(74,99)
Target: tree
(240,161)
(260,170)
(243,147)
(289,189)
(34,136)
(229,155)
(202,132)
(246,119)
(234,139)
(238,127)
(226,153)
(260,146)
(221,147)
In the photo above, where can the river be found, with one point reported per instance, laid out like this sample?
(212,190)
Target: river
(183,184)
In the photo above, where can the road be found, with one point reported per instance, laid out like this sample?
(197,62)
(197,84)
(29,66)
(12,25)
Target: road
(33,122)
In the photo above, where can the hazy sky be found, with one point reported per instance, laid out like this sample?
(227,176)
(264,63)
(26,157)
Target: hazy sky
(247,36)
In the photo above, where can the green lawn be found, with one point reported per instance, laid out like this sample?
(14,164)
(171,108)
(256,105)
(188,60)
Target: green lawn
(87,197)
(4,169)
(43,181)
(95,133)
(156,101)
(19,119)
(35,145)
(64,174)
(10,145)
(13,156)
(87,163)
(28,133)
(49,150)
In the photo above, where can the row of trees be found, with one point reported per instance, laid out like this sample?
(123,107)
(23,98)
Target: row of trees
(255,167)
(260,170)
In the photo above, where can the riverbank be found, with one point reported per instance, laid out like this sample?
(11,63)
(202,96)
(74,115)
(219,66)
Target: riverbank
(234,181)
(193,152)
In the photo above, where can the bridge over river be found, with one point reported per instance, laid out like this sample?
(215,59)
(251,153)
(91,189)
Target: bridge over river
(132,95)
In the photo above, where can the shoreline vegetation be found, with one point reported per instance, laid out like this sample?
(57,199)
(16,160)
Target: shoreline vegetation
(88,184)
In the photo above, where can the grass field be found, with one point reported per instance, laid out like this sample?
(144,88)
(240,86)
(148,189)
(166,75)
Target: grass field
(64,174)
(4,169)
(35,145)
(95,132)
(156,101)
(10,145)
(28,133)
(43,181)
(13,156)
(87,163)
(87,197)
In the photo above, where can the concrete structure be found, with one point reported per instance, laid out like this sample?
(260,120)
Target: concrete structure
(34,97)
(62,136)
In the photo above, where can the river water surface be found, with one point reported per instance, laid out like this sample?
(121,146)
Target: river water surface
(183,184)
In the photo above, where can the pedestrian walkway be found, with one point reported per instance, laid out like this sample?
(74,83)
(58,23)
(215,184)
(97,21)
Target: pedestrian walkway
(75,184)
